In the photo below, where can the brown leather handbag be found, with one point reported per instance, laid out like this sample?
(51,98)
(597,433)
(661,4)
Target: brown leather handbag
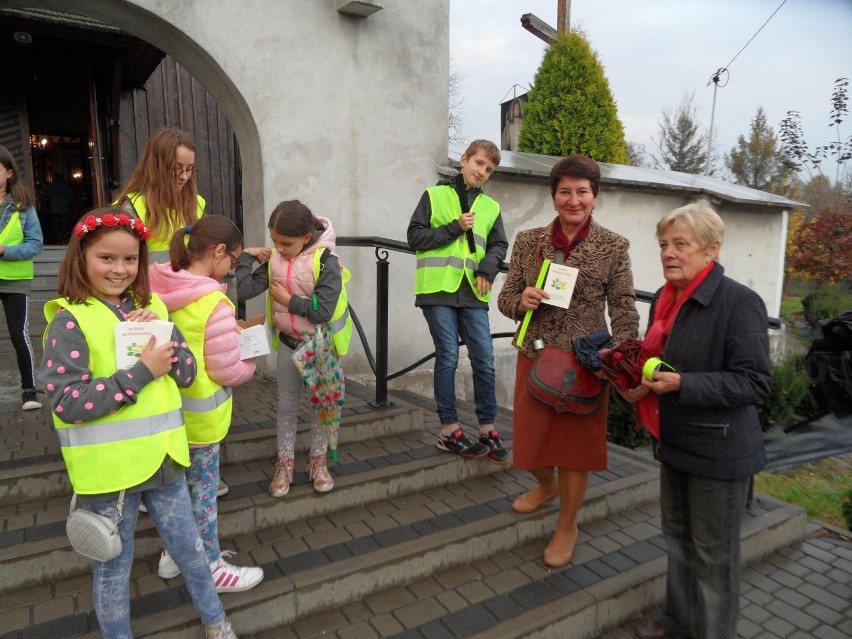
(559,380)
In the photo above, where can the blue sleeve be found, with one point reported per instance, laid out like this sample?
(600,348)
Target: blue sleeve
(33,239)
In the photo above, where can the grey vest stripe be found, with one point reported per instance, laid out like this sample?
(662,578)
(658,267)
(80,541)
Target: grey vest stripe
(207,404)
(471,264)
(161,257)
(440,262)
(107,433)
(337,325)
(480,241)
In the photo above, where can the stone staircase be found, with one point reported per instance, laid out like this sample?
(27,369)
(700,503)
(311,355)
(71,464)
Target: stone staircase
(412,541)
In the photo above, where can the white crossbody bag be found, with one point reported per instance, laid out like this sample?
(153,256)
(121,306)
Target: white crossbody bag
(94,536)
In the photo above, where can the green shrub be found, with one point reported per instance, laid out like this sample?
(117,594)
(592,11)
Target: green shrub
(571,108)
(825,303)
(846,508)
(621,423)
(790,386)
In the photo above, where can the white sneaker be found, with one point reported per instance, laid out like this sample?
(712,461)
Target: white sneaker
(221,630)
(230,578)
(29,400)
(222,489)
(168,569)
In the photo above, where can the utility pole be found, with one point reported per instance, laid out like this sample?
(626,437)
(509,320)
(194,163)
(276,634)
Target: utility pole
(563,16)
(540,29)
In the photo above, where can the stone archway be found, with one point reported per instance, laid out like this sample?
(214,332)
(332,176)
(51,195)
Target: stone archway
(143,23)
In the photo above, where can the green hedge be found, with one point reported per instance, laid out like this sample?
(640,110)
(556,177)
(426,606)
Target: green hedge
(621,423)
(825,303)
(846,508)
(790,396)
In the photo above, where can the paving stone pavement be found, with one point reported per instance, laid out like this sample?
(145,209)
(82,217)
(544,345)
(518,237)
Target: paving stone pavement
(803,590)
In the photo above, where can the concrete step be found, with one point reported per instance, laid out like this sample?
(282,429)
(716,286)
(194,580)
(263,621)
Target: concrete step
(34,548)
(35,470)
(618,570)
(317,560)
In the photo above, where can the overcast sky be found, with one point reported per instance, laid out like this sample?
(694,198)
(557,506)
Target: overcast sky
(655,51)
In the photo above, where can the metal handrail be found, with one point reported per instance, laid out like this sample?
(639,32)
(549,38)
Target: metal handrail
(379,362)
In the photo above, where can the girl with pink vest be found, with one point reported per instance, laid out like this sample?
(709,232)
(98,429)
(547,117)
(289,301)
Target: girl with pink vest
(300,302)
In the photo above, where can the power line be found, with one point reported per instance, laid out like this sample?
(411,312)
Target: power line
(716,78)
(755,35)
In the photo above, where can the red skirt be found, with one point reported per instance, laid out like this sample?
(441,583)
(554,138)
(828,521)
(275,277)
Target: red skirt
(544,438)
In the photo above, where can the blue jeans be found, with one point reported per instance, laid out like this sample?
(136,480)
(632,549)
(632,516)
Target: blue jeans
(447,324)
(701,525)
(171,511)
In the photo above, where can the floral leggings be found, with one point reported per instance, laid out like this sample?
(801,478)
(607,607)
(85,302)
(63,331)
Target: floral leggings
(202,476)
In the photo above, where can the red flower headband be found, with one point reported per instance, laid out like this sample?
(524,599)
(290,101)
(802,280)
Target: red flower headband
(90,223)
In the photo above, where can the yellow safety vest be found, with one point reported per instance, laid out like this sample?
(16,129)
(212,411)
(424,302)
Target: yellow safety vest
(340,323)
(442,269)
(13,235)
(160,243)
(126,448)
(207,405)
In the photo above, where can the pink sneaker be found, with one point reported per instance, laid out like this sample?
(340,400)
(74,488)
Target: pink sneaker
(319,475)
(230,578)
(280,484)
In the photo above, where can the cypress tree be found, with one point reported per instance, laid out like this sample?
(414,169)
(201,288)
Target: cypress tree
(571,108)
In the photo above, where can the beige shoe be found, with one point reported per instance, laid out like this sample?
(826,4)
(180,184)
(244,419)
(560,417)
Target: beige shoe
(280,485)
(319,475)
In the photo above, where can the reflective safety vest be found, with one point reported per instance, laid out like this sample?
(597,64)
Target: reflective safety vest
(340,323)
(442,269)
(126,448)
(207,405)
(160,244)
(13,235)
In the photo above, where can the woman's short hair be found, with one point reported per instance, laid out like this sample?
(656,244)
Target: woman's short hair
(576,166)
(700,218)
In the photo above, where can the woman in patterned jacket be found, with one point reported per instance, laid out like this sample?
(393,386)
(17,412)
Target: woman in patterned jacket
(545,440)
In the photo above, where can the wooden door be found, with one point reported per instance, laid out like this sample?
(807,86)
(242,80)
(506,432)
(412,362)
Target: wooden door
(97,161)
(14,132)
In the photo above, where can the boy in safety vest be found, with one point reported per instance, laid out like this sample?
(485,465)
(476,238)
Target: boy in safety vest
(458,234)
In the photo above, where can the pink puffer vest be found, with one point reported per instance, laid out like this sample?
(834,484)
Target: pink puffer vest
(298,276)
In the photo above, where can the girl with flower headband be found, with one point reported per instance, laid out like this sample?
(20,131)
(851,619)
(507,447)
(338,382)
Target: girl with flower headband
(122,430)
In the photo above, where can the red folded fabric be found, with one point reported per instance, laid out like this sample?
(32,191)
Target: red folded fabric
(623,364)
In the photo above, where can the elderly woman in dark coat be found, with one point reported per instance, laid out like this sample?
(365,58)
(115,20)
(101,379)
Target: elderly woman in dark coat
(713,332)
(545,440)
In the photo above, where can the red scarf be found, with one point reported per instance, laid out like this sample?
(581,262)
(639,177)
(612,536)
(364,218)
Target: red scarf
(561,241)
(665,313)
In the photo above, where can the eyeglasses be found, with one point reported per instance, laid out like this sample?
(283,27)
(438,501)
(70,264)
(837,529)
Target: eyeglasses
(234,261)
(188,171)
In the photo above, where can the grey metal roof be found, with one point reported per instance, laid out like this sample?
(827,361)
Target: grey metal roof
(535,165)
(60,18)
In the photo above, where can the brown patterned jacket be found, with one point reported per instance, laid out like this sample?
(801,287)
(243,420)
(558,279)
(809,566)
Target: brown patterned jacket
(605,280)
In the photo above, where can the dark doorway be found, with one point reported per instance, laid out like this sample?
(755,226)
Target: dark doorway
(58,117)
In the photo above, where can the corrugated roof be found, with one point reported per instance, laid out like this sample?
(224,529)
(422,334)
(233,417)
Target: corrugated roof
(535,165)
(60,18)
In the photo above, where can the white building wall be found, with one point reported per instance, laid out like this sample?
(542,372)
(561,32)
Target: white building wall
(347,114)
(751,253)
